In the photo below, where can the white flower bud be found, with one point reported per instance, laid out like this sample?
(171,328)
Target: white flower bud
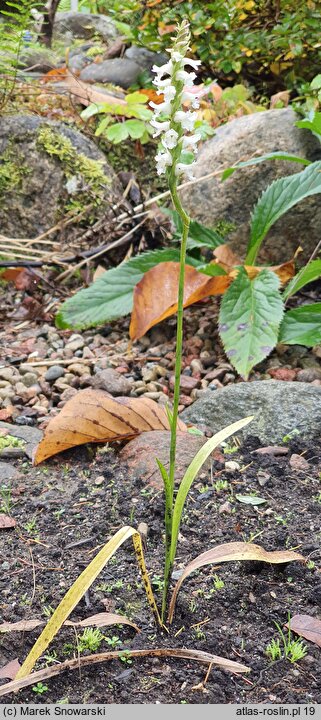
(193,63)
(163,160)
(187,170)
(189,141)
(187,78)
(170,139)
(186,119)
(160,126)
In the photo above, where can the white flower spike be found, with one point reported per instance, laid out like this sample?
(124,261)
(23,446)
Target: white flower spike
(176,85)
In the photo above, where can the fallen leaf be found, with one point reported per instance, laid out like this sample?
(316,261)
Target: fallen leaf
(250,499)
(226,257)
(6,522)
(272,450)
(297,462)
(10,670)
(282,97)
(155,296)
(82,661)
(306,626)
(100,270)
(229,552)
(23,278)
(85,94)
(99,620)
(93,416)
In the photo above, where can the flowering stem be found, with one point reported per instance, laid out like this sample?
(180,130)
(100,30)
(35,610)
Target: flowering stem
(178,365)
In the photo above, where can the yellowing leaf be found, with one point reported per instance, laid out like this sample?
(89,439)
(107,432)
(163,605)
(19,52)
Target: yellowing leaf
(93,416)
(155,296)
(75,593)
(230,552)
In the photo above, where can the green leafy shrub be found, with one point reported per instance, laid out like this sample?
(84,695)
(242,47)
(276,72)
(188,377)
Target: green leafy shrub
(16,20)
(131,119)
(270,44)
(252,318)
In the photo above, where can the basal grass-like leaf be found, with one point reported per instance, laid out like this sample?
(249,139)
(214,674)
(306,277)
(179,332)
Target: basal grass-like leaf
(229,552)
(78,589)
(192,471)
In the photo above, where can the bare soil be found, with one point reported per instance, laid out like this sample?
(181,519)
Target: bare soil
(66,510)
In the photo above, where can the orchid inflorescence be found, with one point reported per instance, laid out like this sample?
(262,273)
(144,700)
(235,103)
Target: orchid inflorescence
(175,84)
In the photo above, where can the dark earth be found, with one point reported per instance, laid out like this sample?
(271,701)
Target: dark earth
(66,510)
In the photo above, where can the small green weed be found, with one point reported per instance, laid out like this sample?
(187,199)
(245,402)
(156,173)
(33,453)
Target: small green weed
(293,650)
(91,639)
(40,688)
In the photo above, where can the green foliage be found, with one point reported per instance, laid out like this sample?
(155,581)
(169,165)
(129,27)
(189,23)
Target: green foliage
(307,274)
(268,43)
(276,200)
(16,20)
(137,128)
(91,640)
(293,650)
(249,320)
(111,296)
(302,326)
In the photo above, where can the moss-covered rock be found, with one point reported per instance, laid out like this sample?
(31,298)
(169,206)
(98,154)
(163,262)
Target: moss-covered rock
(46,170)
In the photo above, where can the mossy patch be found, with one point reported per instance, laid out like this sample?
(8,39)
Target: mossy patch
(11,442)
(86,180)
(12,171)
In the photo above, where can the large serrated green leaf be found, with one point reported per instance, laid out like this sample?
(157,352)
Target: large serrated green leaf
(279,155)
(111,297)
(250,315)
(307,274)
(277,199)
(302,326)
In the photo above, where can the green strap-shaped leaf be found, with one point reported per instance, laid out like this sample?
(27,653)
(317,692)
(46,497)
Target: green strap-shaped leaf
(276,200)
(193,470)
(307,274)
(302,326)
(263,158)
(250,315)
(111,297)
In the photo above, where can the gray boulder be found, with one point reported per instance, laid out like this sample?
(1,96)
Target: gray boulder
(41,178)
(145,58)
(40,61)
(69,25)
(278,408)
(233,200)
(119,71)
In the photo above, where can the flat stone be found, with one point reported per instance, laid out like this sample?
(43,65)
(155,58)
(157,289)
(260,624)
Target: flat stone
(187,383)
(30,435)
(119,71)
(7,373)
(278,408)
(54,372)
(8,472)
(139,456)
(112,382)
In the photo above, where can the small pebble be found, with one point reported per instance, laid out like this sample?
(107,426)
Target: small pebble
(54,372)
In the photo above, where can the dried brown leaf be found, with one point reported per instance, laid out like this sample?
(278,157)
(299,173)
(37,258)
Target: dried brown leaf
(93,416)
(155,296)
(306,626)
(6,522)
(10,669)
(230,552)
(181,653)
(98,620)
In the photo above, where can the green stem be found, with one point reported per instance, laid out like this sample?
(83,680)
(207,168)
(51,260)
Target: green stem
(178,365)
